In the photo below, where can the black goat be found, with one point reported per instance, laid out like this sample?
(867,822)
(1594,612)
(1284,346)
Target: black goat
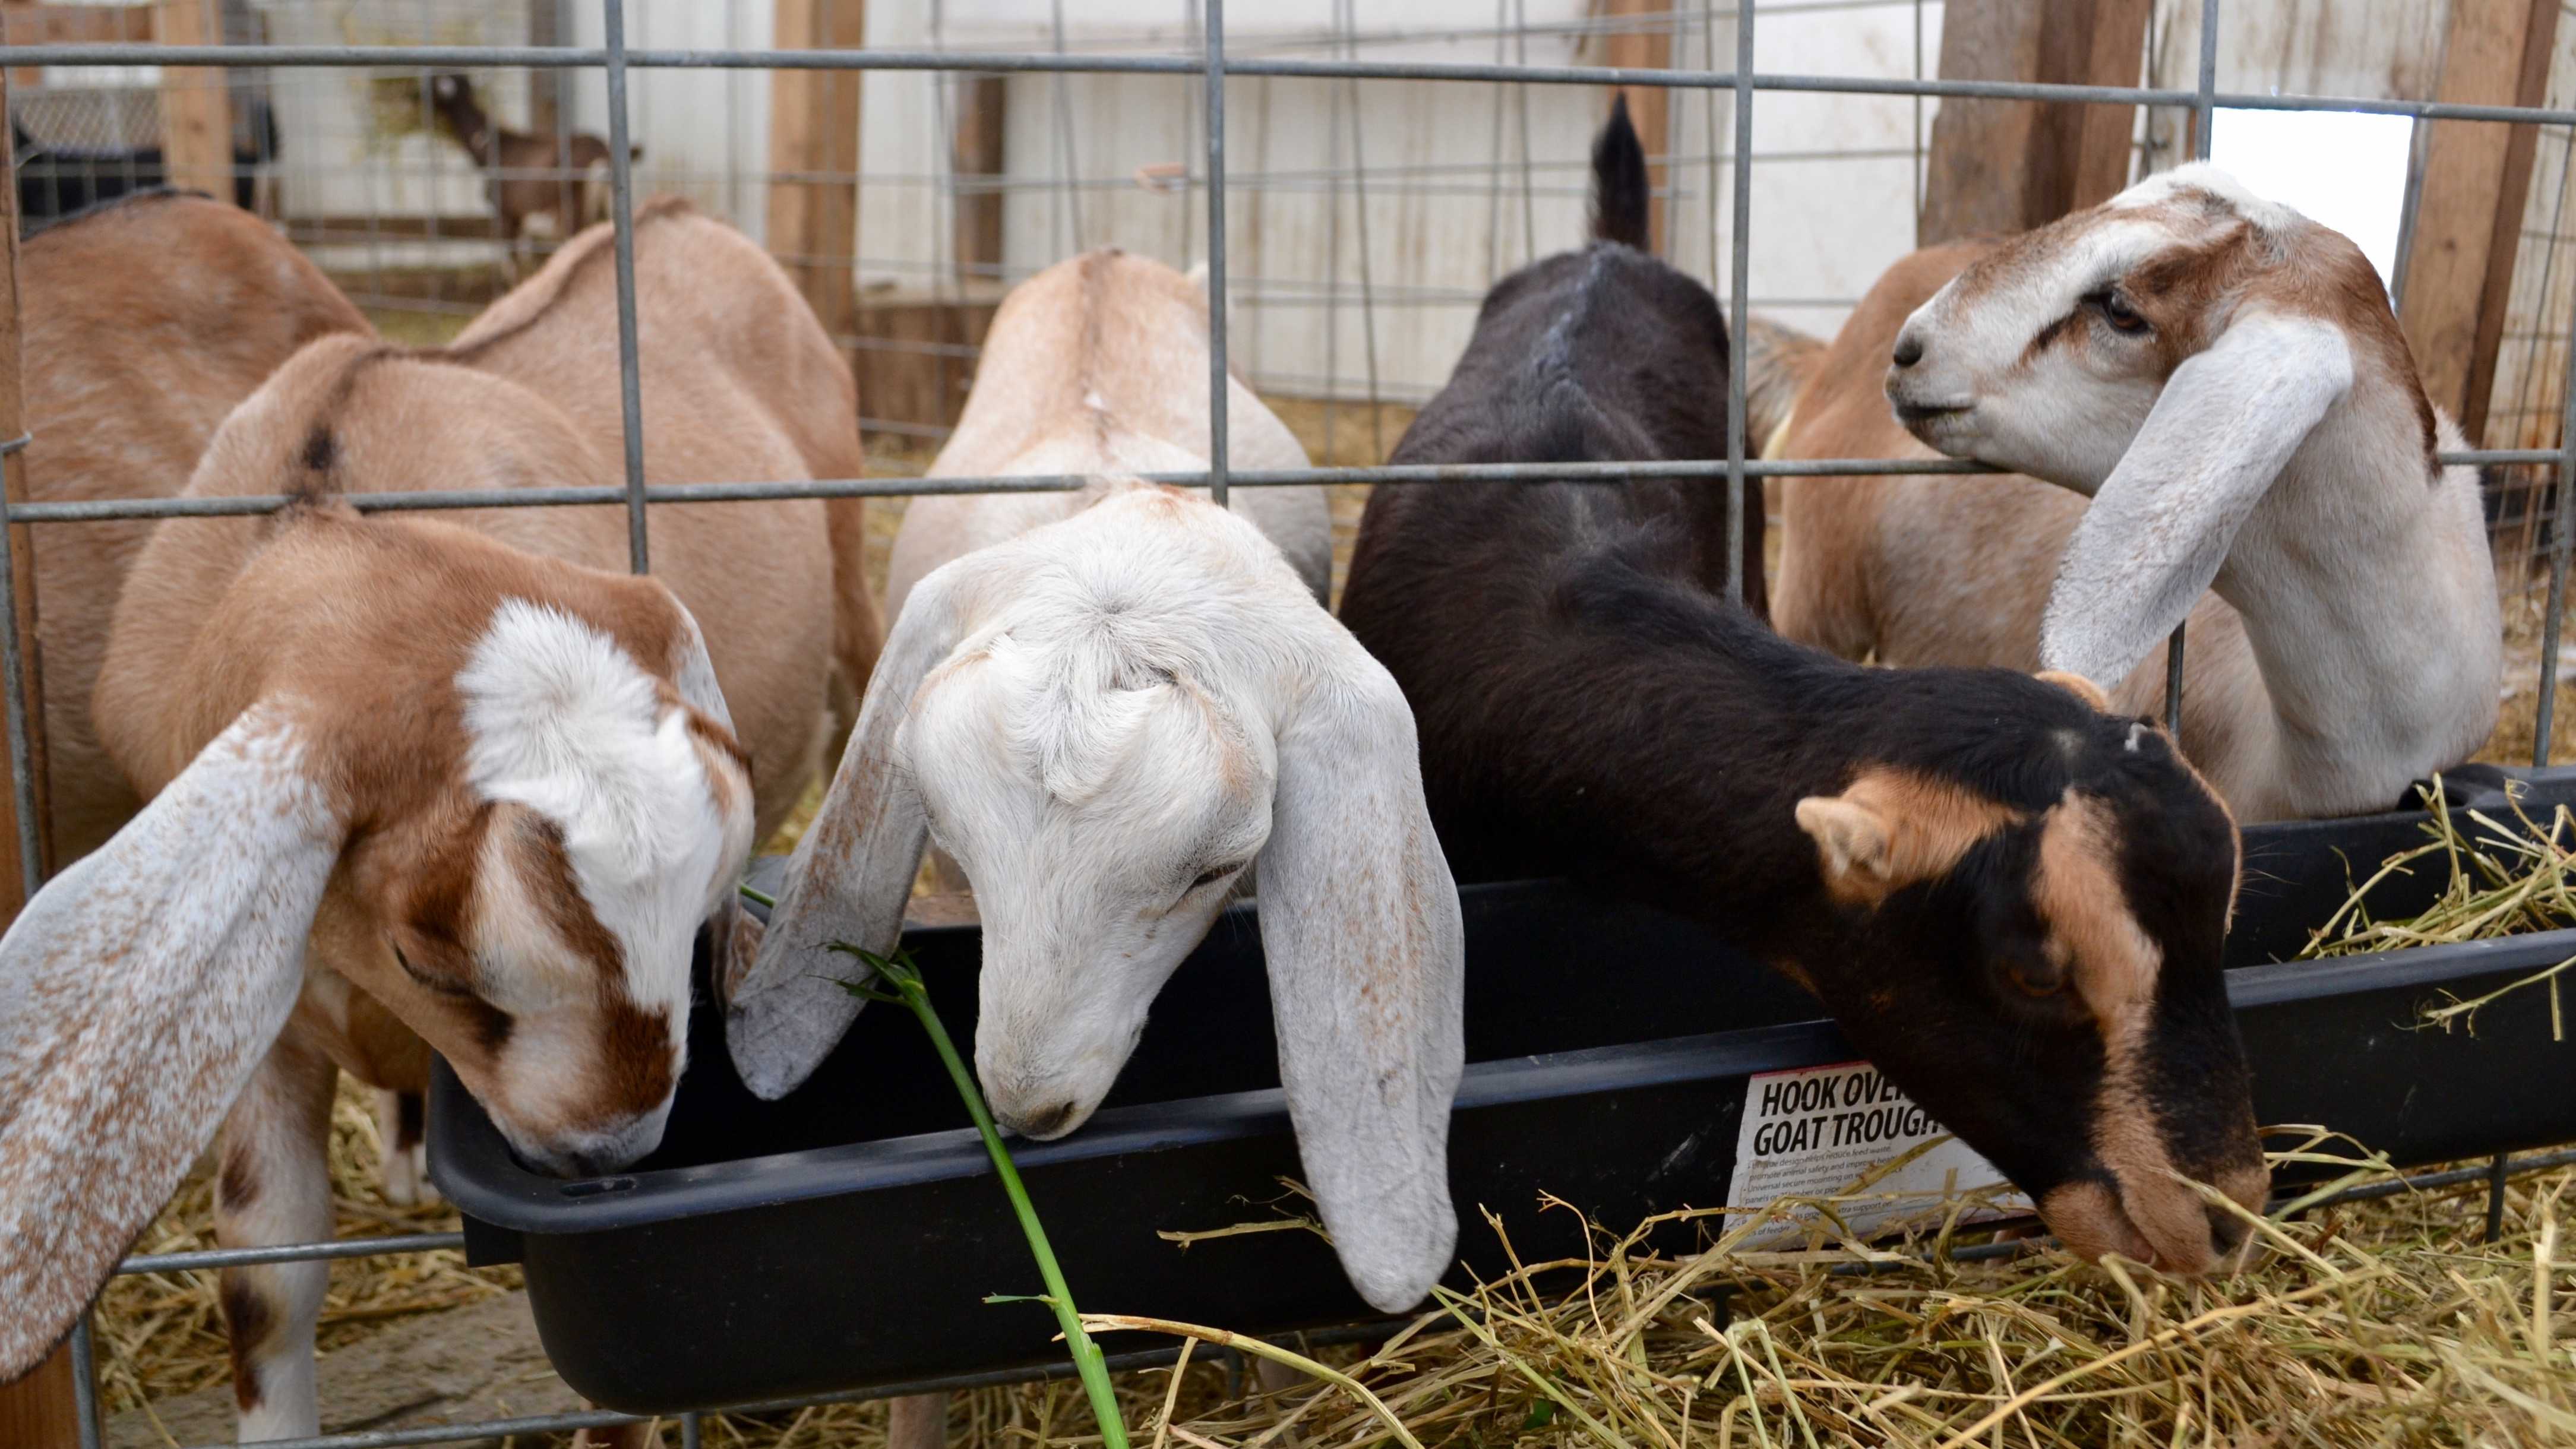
(2012,901)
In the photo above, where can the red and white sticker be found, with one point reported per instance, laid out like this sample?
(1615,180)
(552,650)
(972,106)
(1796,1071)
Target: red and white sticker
(1816,1131)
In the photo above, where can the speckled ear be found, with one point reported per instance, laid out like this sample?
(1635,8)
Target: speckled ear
(1367,958)
(138,992)
(853,869)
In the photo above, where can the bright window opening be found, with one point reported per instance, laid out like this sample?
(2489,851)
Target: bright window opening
(2344,169)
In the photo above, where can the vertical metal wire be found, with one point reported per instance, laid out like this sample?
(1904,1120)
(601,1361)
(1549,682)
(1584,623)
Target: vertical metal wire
(1350,48)
(1708,124)
(1494,178)
(2561,539)
(1914,167)
(690,1431)
(2204,111)
(13,683)
(2496,1172)
(1520,98)
(1216,249)
(84,1383)
(630,376)
(1740,303)
(1068,196)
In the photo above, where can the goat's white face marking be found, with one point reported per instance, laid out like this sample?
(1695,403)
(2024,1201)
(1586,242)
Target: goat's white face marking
(2047,356)
(1103,807)
(606,794)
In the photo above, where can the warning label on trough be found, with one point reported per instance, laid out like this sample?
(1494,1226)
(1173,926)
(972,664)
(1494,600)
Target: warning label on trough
(1817,1131)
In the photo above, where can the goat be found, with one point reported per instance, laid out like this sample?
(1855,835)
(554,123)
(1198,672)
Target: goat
(2011,901)
(1108,720)
(497,781)
(1097,379)
(2224,379)
(556,179)
(102,297)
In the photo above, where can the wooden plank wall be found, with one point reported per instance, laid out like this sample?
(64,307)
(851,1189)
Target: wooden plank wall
(2468,221)
(814,134)
(2005,166)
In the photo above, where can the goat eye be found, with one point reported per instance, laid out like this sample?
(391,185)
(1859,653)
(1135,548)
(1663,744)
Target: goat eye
(2117,311)
(2040,978)
(427,982)
(1212,875)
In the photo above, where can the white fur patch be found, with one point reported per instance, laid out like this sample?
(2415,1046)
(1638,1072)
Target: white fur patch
(561,719)
(2266,216)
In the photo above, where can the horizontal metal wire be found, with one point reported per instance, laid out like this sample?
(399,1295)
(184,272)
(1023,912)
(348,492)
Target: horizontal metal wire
(337,1248)
(101,509)
(588,57)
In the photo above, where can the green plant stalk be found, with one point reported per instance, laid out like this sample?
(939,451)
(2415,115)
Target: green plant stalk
(899,973)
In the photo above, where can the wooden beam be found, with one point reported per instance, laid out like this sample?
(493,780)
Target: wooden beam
(2504,244)
(983,113)
(1638,43)
(814,133)
(74,24)
(2006,166)
(2464,175)
(545,86)
(38,1411)
(196,102)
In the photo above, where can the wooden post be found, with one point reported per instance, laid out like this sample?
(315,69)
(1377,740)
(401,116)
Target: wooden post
(2006,166)
(2468,219)
(814,136)
(976,150)
(196,102)
(545,87)
(38,1411)
(1639,45)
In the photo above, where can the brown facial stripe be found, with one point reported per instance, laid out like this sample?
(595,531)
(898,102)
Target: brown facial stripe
(1925,823)
(557,891)
(2076,889)
(635,1051)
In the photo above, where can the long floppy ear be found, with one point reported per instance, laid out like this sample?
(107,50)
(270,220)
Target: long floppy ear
(1359,920)
(137,993)
(2161,524)
(854,867)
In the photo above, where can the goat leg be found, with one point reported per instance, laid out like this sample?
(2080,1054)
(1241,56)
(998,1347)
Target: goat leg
(273,1188)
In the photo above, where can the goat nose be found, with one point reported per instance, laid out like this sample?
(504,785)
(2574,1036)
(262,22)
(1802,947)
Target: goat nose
(1045,1122)
(2227,1232)
(1909,350)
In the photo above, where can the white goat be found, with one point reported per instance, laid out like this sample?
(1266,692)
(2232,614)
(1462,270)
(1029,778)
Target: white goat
(1107,720)
(491,776)
(2225,380)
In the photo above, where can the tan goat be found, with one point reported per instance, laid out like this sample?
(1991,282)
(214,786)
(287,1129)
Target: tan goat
(499,782)
(2224,379)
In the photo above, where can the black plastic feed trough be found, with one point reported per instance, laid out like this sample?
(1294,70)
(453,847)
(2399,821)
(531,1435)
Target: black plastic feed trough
(847,1237)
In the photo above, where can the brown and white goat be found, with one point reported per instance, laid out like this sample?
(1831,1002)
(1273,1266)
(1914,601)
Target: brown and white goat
(2224,379)
(496,781)
(2011,901)
(558,180)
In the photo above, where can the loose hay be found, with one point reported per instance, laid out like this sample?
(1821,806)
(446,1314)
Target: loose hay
(162,1333)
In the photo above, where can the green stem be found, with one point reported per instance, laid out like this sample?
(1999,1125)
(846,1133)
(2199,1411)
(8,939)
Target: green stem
(906,980)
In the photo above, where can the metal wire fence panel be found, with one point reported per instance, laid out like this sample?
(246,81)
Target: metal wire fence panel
(410,201)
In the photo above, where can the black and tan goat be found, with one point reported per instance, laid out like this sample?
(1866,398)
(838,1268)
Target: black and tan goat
(2011,900)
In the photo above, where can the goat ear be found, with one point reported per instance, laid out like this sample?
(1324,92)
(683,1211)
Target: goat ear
(854,867)
(2077,685)
(1853,847)
(1359,920)
(2160,526)
(137,993)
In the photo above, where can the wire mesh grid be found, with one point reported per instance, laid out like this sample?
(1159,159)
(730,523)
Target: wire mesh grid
(528,62)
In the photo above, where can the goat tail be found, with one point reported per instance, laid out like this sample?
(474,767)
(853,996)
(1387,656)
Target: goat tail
(1619,186)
